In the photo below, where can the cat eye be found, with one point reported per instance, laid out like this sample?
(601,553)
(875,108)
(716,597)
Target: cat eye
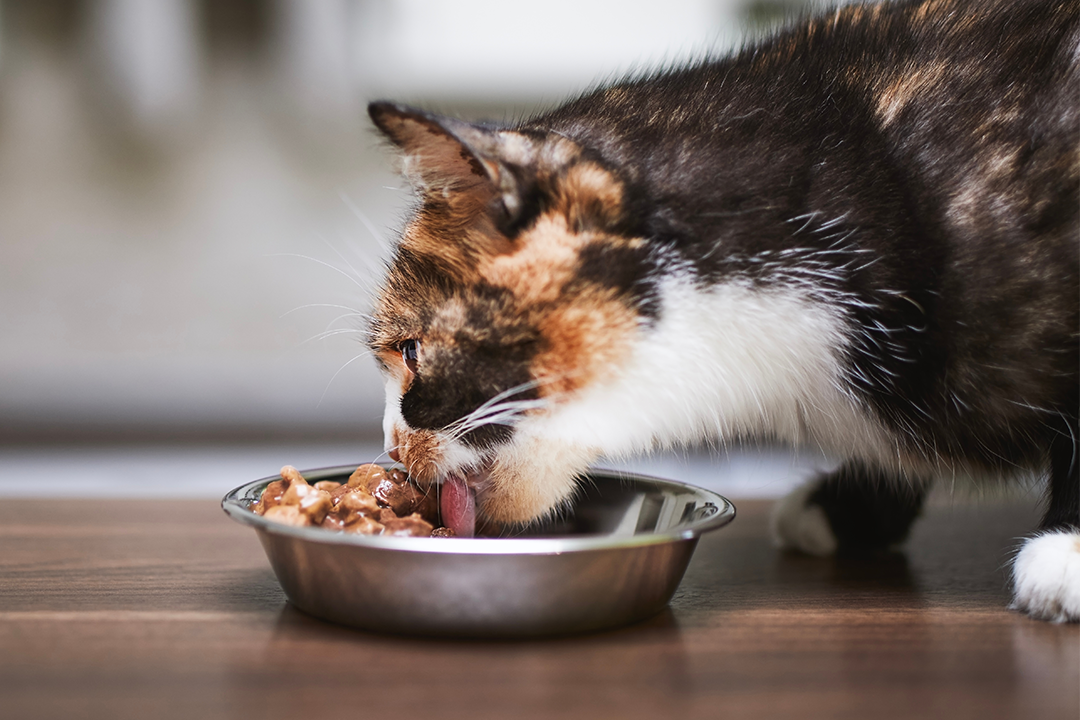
(410,353)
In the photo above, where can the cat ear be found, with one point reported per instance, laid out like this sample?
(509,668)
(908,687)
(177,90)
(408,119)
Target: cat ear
(448,157)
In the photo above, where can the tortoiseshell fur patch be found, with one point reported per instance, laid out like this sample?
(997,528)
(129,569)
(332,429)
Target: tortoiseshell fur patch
(551,304)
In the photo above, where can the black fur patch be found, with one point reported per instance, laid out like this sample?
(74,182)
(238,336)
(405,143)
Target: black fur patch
(868,510)
(627,270)
(490,354)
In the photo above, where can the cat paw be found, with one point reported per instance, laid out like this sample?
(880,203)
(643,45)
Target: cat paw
(1046,577)
(798,524)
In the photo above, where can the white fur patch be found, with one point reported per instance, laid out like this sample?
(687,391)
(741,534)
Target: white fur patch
(724,363)
(458,456)
(798,526)
(391,413)
(1046,577)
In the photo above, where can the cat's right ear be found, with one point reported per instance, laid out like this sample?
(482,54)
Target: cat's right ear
(459,161)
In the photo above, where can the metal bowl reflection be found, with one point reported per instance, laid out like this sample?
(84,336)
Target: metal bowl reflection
(615,556)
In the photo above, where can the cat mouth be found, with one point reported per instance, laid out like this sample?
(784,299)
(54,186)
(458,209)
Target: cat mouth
(457,501)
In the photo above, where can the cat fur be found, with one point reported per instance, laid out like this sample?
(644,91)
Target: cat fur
(860,234)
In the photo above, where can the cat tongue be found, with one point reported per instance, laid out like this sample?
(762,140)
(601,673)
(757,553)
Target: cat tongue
(458,506)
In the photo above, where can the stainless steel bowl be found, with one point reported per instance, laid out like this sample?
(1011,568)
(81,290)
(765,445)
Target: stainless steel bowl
(614,557)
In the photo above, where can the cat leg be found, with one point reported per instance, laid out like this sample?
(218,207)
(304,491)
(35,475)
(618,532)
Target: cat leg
(1046,571)
(853,508)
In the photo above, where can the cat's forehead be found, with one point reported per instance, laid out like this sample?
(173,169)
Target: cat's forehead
(576,205)
(546,264)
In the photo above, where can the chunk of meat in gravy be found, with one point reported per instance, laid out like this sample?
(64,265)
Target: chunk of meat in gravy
(393,489)
(374,501)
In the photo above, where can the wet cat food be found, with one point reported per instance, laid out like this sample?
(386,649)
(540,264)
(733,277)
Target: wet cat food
(374,501)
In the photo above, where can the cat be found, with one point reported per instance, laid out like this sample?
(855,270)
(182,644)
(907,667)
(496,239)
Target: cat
(860,233)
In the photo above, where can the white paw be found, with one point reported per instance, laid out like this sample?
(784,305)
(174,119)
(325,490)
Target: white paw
(1046,577)
(797,526)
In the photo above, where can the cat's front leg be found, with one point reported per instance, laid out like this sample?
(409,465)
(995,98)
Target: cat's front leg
(852,509)
(1046,571)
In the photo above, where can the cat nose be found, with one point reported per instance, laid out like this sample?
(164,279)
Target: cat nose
(394,455)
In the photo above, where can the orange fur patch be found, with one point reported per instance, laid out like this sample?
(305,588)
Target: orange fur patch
(584,338)
(543,263)
(583,333)
(589,195)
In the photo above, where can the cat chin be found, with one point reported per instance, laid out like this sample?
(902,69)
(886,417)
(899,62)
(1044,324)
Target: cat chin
(531,478)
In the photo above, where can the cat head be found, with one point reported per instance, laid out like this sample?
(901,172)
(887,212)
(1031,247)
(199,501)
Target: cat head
(513,297)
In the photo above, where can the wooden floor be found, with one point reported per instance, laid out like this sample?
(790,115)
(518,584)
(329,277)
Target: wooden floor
(167,609)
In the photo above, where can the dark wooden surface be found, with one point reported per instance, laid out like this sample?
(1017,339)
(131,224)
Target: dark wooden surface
(145,609)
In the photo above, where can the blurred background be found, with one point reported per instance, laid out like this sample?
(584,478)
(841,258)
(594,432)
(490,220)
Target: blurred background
(194,208)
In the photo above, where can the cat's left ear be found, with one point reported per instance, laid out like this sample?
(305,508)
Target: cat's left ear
(447,157)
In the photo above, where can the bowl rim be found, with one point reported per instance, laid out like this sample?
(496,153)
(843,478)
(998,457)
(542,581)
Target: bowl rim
(236,501)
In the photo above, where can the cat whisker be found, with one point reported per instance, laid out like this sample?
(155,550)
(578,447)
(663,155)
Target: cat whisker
(352,279)
(384,454)
(499,410)
(363,218)
(361,315)
(323,305)
(507,413)
(331,333)
(343,258)
(371,262)
(339,370)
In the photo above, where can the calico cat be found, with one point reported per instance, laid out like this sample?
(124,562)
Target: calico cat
(861,233)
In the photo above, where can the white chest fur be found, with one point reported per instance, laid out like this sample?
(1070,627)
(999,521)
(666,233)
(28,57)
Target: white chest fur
(726,362)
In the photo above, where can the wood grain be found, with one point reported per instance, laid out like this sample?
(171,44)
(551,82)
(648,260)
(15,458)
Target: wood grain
(140,609)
